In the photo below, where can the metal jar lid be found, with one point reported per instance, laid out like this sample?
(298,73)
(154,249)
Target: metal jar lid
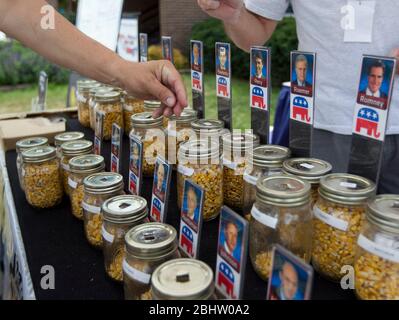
(240,141)
(95,90)
(282,190)
(269,156)
(68,136)
(151,240)
(88,163)
(152,104)
(38,154)
(199,149)
(383,211)
(308,169)
(186,116)
(346,188)
(77,147)
(145,120)
(103,182)
(124,209)
(182,279)
(107,96)
(85,85)
(209,125)
(32,142)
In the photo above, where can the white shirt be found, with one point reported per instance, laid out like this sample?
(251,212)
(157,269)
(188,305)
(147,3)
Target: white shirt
(338,62)
(376,94)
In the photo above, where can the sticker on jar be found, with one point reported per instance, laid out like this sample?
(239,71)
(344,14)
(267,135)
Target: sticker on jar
(250,179)
(90,208)
(72,183)
(80,97)
(171,133)
(186,171)
(230,164)
(348,185)
(264,219)
(330,220)
(307,165)
(135,273)
(65,166)
(106,235)
(378,249)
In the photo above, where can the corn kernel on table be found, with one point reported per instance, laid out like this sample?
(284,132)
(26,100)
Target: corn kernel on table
(54,237)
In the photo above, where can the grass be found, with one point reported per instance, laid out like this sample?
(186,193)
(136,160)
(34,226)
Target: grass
(20,100)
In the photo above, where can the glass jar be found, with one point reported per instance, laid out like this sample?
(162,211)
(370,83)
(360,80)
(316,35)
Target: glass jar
(183,279)
(235,155)
(178,131)
(92,103)
(200,161)
(152,134)
(151,106)
(61,138)
(23,145)
(109,103)
(131,106)
(82,98)
(263,161)
(338,216)
(147,246)
(377,255)
(120,214)
(79,168)
(69,150)
(98,188)
(41,175)
(280,215)
(308,169)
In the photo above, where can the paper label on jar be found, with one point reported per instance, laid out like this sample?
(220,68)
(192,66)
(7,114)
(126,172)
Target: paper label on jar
(106,235)
(230,164)
(185,170)
(90,208)
(80,97)
(171,133)
(136,274)
(264,219)
(378,249)
(307,165)
(330,220)
(65,166)
(348,185)
(72,183)
(250,179)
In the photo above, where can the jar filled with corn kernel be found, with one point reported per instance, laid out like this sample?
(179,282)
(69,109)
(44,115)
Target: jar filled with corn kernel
(263,161)
(109,103)
(98,188)
(41,175)
(120,214)
(178,131)
(23,145)
(147,246)
(377,254)
(69,150)
(280,215)
(308,169)
(236,148)
(79,168)
(151,106)
(210,129)
(61,138)
(131,106)
(338,215)
(200,161)
(82,98)
(152,134)
(92,103)
(183,279)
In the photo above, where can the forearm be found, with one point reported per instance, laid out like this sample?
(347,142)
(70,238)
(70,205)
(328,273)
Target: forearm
(64,45)
(250,30)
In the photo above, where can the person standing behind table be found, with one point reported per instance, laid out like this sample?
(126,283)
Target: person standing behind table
(318,22)
(66,46)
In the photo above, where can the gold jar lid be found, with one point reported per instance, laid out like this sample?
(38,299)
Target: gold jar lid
(103,182)
(77,147)
(151,240)
(346,188)
(152,104)
(282,190)
(27,143)
(182,279)
(269,156)
(125,209)
(85,85)
(145,119)
(68,136)
(198,149)
(38,154)
(240,141)
(107,96)
(383,211)
(88,163)
(309,169)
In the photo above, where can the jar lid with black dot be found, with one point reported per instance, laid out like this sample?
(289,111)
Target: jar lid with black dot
(383,211)
(88,163)
(269,156)
(76,148)
(61,138)
(309,169)
(103,182)
(125,209)
(27,143)
(38,154)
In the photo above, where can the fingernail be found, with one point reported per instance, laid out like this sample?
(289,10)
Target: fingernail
(169,102)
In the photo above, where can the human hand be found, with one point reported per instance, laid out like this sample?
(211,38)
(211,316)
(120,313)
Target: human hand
(228,11)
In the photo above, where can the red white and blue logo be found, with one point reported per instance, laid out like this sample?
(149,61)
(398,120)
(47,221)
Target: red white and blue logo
(300,108)
(222,87)
(187,240)
(367,119)
(156,209)
(196,78)
(132,183)
(257,97)
(226,279)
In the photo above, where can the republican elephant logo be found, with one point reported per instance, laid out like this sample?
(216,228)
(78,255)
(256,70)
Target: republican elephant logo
(368,119)
(300,108)
(258,97)
(187,240)
(196,80)
(226,279)
(156,210)
(222,87)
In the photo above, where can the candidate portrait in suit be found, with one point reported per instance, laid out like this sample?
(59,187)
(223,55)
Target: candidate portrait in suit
(301,69)
(375,78)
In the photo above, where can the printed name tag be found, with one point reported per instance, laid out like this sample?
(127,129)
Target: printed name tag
(72,183)
(378,249)
(65,166)
(106,235)
(185,170)
(250,179)
(91,208)
(264,219)
(229,164)
(136,274)
(330,220)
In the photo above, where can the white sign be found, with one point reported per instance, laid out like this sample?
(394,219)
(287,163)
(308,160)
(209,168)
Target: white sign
(128,44)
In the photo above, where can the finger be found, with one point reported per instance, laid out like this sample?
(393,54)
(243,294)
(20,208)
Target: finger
(168,112)
(172,79)
(162,93)
(177,110)
(158,112)
(209,4)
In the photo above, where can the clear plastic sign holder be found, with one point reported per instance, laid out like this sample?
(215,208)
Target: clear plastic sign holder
(167,48)
(39,102)
(197,77)
(143,45)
